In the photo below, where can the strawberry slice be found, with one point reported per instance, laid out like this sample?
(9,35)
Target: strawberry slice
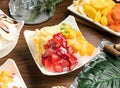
(58,67)
(65,56)
(73,65)
(72,59)
(51,68)
(48,64)
(55,58)
(65,63)
(48,52)
(70,50)
(58,55)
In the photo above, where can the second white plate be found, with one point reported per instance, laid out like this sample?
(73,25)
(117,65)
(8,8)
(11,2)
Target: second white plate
(105,28)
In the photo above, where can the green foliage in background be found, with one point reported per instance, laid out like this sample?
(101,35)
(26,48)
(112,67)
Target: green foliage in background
(104,72)
(44,5)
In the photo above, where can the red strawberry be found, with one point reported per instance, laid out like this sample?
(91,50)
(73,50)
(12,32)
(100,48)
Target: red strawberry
(62,50)
(51,68)
(51,44)
(72,59)
(65,56)
(47,62)
(70,50)
(48,52)
(55,58)
(65,63)
(58,67)
(73,65)
(58,55)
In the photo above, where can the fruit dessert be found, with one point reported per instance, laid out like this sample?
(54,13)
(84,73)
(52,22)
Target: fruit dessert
(9,80)
(59,47)
(105,12)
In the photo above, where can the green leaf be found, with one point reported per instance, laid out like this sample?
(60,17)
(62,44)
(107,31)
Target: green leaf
(44,6)
(104,72)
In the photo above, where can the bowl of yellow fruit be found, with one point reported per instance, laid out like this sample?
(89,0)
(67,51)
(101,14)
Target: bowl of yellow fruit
(103,13)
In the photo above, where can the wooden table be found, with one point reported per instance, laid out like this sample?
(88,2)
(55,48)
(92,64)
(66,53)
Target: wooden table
(23,58)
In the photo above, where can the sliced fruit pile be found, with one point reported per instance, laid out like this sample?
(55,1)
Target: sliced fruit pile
(58,55)
(77,41)
(9,80)
(100,11)
(5,78)
(57,50)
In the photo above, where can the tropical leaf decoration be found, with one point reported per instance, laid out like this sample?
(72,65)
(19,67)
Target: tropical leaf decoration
(102,72)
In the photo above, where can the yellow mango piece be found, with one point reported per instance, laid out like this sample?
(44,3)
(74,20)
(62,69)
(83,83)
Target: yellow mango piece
(76,47)
(70,34)
(106,10)
(79,43)
(5,79)
(90,49)
(110,2)
(97,17)
(83,51)
(99,4)
(104,20)
(85,48)
(89,10)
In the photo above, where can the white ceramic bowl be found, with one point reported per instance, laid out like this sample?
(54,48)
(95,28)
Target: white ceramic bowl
(83,60)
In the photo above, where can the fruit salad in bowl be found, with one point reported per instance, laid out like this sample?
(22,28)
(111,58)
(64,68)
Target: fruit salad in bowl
(59,49)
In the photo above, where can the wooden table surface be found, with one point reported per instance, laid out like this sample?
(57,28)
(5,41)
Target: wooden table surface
(21,55)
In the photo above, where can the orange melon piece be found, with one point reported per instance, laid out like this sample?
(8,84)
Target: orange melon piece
(79,43)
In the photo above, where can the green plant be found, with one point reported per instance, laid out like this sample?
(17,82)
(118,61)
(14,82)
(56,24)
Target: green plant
(104,72)
(44,6)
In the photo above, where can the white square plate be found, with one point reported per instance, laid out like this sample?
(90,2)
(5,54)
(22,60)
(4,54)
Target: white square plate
(83,60)
(11,67)
(105,28)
